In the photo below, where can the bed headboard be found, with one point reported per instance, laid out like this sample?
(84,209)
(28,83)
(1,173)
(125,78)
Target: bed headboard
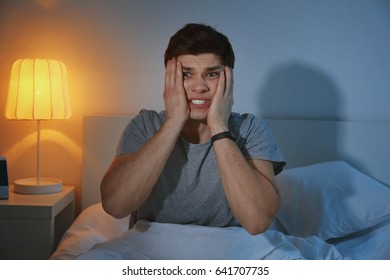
(364,145)
(101,137)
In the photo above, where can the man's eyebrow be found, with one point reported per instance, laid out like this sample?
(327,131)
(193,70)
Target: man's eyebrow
(214,68)
(207,69)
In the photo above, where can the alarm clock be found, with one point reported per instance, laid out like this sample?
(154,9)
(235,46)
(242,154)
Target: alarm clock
(3,178)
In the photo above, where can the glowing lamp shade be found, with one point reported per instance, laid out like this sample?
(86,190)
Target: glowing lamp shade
(38,90)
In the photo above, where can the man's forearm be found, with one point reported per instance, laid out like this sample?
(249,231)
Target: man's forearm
(131,177)
(249,188)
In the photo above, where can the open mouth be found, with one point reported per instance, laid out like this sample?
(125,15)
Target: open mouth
(198,101)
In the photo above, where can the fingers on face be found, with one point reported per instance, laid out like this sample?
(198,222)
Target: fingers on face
(179,73)
(225,82)
(169,73)
(229,77)
(173,72)
(229,84)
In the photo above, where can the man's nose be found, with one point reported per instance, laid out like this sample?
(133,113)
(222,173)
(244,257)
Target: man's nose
(199,85)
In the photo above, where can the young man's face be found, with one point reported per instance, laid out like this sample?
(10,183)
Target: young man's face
(201,75)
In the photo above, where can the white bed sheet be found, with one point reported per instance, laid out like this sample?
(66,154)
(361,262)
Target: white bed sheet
(182,242)
(96,235)
(93,226)
(370,244)
(352,221)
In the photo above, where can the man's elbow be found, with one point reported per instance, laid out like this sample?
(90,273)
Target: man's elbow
(111,206)
(261,223)
(112,209)
(255,228)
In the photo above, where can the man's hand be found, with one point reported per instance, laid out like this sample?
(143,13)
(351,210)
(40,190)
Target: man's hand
(175,97)
(221,104)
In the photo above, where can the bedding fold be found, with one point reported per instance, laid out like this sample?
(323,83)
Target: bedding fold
(148,240)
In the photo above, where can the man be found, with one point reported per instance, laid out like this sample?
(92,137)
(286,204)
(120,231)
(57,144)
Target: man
(196,162)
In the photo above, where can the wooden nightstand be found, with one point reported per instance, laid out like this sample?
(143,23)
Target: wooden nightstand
(32,225)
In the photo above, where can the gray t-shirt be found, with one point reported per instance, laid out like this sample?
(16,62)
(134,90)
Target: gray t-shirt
(189,190)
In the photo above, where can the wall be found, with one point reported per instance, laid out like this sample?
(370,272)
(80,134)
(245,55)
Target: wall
(295,59)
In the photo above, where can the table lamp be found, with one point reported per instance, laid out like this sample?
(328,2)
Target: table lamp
(38,90)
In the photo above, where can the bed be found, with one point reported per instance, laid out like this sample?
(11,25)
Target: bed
(335,201)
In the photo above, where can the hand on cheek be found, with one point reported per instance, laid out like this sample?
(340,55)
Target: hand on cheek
(175,98)
(222,102)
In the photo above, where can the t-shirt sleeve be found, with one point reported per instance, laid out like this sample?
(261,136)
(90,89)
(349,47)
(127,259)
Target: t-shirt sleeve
(256,141)
(137,132)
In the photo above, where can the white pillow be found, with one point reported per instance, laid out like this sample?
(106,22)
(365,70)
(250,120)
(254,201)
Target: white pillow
(329,200)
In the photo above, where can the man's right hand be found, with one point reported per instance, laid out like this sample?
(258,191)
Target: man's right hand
(175,97)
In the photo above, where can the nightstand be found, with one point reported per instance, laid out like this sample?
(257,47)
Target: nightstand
(31,225)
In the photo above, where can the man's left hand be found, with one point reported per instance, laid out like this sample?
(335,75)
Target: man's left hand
(221,104)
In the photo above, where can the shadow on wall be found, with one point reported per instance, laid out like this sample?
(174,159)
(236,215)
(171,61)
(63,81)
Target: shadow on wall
(297,91)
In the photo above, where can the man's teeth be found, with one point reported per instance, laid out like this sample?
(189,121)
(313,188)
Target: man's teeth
(198,102)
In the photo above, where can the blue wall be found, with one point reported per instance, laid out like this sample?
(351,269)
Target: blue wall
(295,59)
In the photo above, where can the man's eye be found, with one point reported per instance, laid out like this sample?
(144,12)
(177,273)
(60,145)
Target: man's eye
(213,74)
(186,75)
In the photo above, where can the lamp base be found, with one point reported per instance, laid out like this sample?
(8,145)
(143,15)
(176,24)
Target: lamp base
(31,186)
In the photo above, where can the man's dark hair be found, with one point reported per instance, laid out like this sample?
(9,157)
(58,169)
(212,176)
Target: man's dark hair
(197,39)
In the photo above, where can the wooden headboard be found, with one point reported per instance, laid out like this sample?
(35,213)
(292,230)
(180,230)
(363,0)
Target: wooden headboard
(364,145)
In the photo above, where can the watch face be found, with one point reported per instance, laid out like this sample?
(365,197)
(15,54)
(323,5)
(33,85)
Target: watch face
(3,172)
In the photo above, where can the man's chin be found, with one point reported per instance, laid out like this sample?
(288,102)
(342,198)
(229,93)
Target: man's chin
(198,116)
